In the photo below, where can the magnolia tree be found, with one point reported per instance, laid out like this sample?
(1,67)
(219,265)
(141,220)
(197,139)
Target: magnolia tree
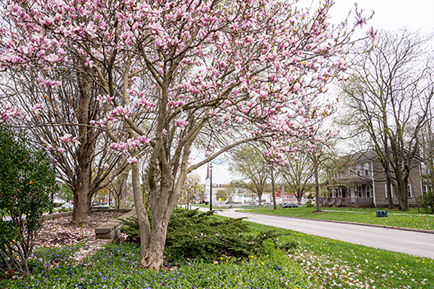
(178,74)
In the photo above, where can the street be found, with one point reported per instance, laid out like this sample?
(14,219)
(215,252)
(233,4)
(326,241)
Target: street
(414,243)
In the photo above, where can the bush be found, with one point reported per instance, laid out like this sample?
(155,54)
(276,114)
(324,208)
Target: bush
(27,180)
(426,202)
(309,204)
(192,234)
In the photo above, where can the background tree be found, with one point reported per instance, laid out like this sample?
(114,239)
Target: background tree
(119,186)
(388,96)
(27,181)
(192,188)
(232,190)
(248,162)
(221,193)
(73,146)
(298,174)
(65,193)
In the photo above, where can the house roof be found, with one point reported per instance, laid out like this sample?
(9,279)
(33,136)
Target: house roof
(368,155)
(365,156)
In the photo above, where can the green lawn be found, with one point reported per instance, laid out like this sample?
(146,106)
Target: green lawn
(207,206)
(329,263)
(410,219)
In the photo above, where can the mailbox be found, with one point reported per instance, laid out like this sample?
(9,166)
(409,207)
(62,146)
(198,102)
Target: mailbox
(381,213)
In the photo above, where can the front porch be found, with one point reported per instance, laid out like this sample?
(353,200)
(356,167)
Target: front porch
(347,202)
(355,192)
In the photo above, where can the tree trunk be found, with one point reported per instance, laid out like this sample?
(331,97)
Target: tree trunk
(81,207)
(82,199)
(400,195)
(387,169)
(260,198)
(299,197)
(142,215)
(84,156)
(153,257)
(273,192)
(389,195)
(317,205)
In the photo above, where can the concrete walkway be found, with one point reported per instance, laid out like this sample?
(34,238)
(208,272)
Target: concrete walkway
(414,243)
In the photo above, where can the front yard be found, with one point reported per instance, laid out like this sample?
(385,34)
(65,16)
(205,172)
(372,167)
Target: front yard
(410,219)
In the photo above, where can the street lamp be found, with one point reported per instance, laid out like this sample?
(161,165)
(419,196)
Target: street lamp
(210,188)
(51,202)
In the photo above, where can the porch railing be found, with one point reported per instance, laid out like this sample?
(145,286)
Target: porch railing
(346,201)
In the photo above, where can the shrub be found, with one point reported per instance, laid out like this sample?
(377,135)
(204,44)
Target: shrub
(309,204)
(26,181)
(426,202)
(192,234)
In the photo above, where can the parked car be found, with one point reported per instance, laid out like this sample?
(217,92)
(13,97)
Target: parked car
(67,207)
(290,205)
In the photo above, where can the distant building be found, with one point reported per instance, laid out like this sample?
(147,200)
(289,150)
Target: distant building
(363,183)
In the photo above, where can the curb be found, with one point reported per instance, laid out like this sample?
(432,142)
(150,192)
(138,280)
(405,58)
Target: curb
(352,223)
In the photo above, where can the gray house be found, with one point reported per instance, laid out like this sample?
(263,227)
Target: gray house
(361,182)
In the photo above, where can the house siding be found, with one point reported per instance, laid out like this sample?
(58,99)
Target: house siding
(380,184)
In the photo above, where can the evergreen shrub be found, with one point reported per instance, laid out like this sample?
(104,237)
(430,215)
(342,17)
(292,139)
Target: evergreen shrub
(27,181)
(195,235)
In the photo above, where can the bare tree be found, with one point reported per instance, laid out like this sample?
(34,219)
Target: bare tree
(298,174)
(66,110)
(388,96)
(249,163)
(119,186)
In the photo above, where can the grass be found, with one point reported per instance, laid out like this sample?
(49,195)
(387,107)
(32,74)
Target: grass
(328,262)
(207,206)
(410,219)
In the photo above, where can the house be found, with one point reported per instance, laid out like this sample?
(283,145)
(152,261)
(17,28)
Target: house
(426,179)
(361,182)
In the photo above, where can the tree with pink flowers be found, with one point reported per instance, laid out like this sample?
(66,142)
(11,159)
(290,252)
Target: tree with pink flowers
(178,75)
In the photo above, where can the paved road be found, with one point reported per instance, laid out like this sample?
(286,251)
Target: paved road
(414,243)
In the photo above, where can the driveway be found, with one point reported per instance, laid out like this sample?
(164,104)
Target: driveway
(414,243)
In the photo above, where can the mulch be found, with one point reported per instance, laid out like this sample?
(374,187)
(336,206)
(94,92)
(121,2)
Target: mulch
(59,232)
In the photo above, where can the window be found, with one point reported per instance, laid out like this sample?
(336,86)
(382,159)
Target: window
(366,169)
(358,169)
(360,191)
(409,191)
(385,190)
(368,191)
(424,189)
